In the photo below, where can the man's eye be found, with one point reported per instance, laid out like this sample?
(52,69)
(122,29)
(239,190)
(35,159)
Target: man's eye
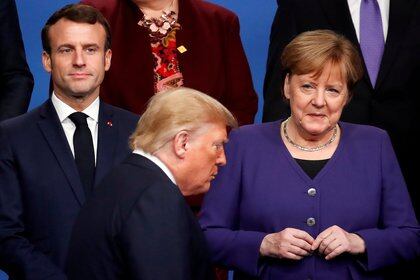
(91,50)
(218,146)
(65,50)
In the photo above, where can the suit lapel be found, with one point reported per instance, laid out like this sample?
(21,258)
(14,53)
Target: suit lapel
(54,135)
(339,18)
(400,14)
(107,141)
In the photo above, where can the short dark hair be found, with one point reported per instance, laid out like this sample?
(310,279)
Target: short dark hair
(79,13)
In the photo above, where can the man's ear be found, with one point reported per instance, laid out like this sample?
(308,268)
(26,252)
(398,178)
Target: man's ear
(181,143)
(46,61)
(108,56)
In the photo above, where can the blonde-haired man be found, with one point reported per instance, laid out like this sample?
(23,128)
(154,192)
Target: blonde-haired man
(138,225)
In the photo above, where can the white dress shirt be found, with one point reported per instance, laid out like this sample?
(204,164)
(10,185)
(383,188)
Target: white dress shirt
(158,162)
(64,111)
(354,7)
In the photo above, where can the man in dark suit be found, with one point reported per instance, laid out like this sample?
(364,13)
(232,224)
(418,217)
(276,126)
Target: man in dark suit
(49,162)
(137,224)
(16,81)
(389,101)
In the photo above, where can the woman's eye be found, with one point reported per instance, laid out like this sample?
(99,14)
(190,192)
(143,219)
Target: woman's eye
(333,91)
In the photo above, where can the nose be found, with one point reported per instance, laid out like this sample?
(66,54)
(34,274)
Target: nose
(318,99)
(221,159)
(78,59)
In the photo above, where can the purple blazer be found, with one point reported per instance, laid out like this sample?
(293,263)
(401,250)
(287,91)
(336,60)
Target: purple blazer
(263,190)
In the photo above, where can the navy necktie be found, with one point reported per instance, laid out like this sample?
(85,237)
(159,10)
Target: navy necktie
(83,151)
(372,40)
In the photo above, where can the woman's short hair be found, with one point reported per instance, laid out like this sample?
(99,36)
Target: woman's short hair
(172,111)
(311,51)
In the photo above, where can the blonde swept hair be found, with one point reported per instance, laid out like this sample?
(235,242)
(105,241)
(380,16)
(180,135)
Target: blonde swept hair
(311,51)
(174,110)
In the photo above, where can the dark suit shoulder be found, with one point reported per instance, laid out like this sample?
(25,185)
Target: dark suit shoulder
(134,179)
(121,113)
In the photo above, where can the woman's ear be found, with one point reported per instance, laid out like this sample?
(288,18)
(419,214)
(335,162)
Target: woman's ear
(286,87)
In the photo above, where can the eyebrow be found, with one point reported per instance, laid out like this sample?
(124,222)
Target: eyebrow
(84,46)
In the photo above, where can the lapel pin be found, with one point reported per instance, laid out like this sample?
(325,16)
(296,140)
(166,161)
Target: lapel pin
(182,49)
(109,123)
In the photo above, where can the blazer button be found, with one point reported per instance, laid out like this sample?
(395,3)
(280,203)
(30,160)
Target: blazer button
(310,221)
(312,192)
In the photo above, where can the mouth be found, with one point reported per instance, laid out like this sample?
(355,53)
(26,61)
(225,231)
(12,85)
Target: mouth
(316,115)
(79,75)
(213,176)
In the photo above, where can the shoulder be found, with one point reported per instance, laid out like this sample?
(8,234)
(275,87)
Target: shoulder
(101,4)
(121,114)
(136,183)
(364,139)
(254,131)
(363,132)
(210,11)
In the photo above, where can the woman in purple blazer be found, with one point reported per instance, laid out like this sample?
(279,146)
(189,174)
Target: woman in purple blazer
(310,197)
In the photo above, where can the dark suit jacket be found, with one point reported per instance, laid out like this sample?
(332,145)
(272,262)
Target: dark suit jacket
(40,190)
(214,62)
(137,226)
(392,103)
(16,81)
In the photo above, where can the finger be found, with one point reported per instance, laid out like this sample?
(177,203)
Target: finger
(325,243)
(303,244)
(320,238)
(337,251)
(298,251)
(332,246)
(300,234)
(292,256)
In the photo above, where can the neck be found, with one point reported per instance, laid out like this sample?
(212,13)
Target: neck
(78,103)
(305,139)
(156,6)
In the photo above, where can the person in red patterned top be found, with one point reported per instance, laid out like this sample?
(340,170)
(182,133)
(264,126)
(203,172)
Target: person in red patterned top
(160,44)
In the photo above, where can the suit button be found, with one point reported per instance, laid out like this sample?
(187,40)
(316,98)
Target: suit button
(312,192)
(310,221)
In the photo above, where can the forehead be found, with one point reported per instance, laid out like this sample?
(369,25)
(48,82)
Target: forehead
(74,33)
(213,131)
(330,73)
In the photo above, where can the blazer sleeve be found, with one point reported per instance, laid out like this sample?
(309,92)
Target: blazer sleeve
(283,30)
(18,257)
(16,81)
(240,97)
(229,245)
(398,237)
(157,230)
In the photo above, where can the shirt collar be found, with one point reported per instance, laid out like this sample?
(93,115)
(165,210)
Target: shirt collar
(158,162)
(64,110)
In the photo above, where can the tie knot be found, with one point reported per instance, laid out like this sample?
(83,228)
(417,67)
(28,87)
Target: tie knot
(78,118)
